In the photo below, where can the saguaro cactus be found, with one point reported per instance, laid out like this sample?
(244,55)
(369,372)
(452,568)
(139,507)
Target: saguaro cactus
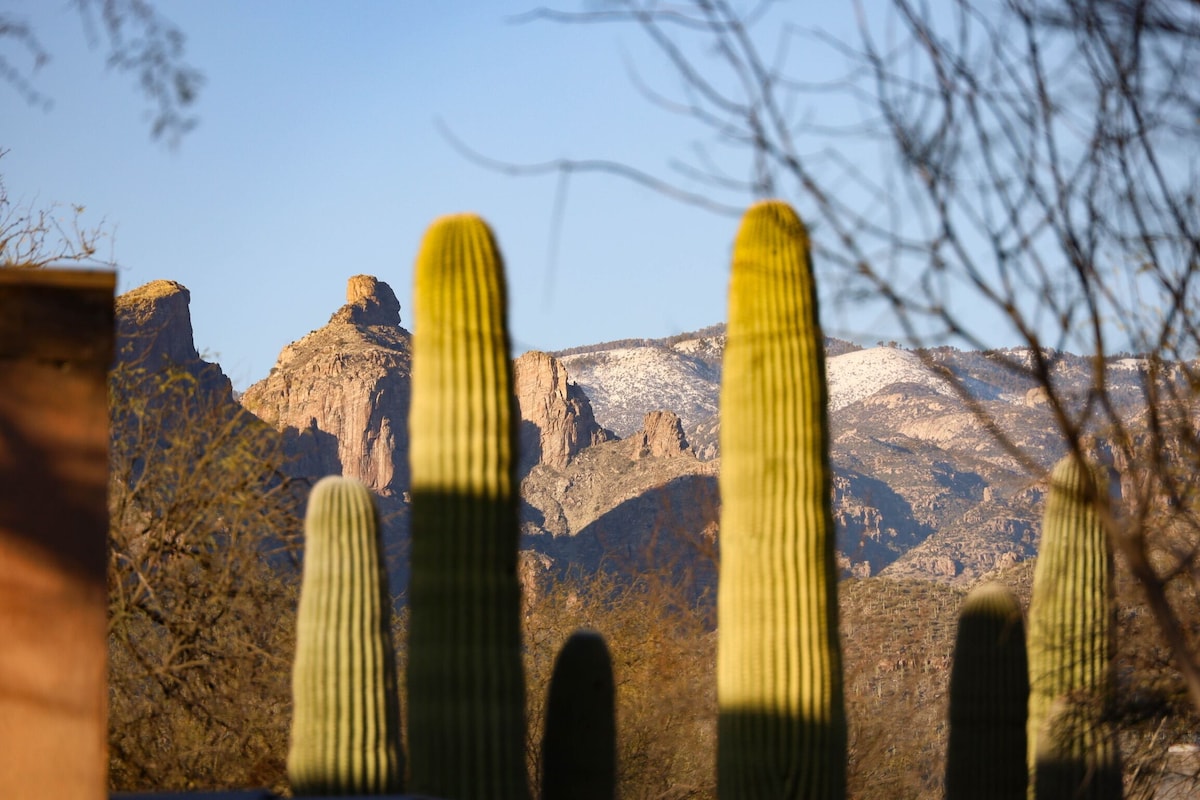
(781,727)
(989,693)
(1073,750)
(579,747)
(346,718)
(465,681)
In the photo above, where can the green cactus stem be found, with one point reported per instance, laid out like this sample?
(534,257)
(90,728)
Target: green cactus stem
(346,716)
(989,695)
(579,745)
(1071,643)
(781,723)
(466,683)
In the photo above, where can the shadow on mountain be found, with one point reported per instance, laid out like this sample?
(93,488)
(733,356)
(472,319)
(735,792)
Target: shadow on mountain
(669,531)
(395,518)
(529,447)
(314,452)
(875,524)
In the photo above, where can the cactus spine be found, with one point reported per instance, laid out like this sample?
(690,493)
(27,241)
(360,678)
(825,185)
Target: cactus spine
(465,679)
(781,725)
(989,693)
(346,720)
(579,746)
(1072,747)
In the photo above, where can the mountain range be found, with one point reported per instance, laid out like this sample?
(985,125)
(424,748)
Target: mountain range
(620,448)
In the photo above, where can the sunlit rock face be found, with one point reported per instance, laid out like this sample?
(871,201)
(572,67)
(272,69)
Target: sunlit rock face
(341,393)
(556,416)
(661,436)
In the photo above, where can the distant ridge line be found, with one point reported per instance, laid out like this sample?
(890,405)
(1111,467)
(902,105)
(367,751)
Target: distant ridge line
(667,341)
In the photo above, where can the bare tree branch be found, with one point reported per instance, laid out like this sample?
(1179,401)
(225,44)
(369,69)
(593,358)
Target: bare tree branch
(1032,162)
(568,166)
(33,237)
(140,41)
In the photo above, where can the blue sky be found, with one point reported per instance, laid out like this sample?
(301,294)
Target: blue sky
(317,156)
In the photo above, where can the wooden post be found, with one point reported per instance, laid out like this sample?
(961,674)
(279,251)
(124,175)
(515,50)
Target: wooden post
(56,345)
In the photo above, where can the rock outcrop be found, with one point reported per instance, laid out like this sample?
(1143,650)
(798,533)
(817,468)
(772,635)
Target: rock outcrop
(341,394)
(154,322)
(606,510)
(921,489)
(369,301)
(556,416)
(154,333)
(661,436)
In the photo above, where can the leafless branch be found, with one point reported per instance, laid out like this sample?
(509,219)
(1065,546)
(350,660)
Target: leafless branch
(140,41)
(33,237)
(1032,163)
(568,166)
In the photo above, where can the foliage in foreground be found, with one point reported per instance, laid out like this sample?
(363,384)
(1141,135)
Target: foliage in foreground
(664,657)
(202,593)
(203,616)
(898,637)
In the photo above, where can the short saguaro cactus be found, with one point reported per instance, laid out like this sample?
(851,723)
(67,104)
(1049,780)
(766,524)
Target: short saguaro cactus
(346,716)
(579,747)
(989,694)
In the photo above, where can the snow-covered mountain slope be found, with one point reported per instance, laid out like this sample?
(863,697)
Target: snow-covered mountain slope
(627,381)
(858,375)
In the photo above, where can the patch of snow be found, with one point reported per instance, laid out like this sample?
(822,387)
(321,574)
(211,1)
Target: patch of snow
(626,383)
(706,347)
(1128,364)
(858,375)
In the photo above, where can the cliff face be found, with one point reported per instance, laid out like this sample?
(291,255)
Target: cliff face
(340,395)
(919,489)
(154,322)
(556,417)
(154,333)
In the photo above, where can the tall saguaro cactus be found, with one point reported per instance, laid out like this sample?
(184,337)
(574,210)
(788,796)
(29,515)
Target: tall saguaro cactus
(346,717)
(1072,748)
(465,680)
(989,694)
(781,726)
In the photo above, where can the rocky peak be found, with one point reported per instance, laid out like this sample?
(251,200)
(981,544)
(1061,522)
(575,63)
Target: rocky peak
(341,394)
(369,301)
(154,323)
(154,333)
(556,416)
(661,436)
